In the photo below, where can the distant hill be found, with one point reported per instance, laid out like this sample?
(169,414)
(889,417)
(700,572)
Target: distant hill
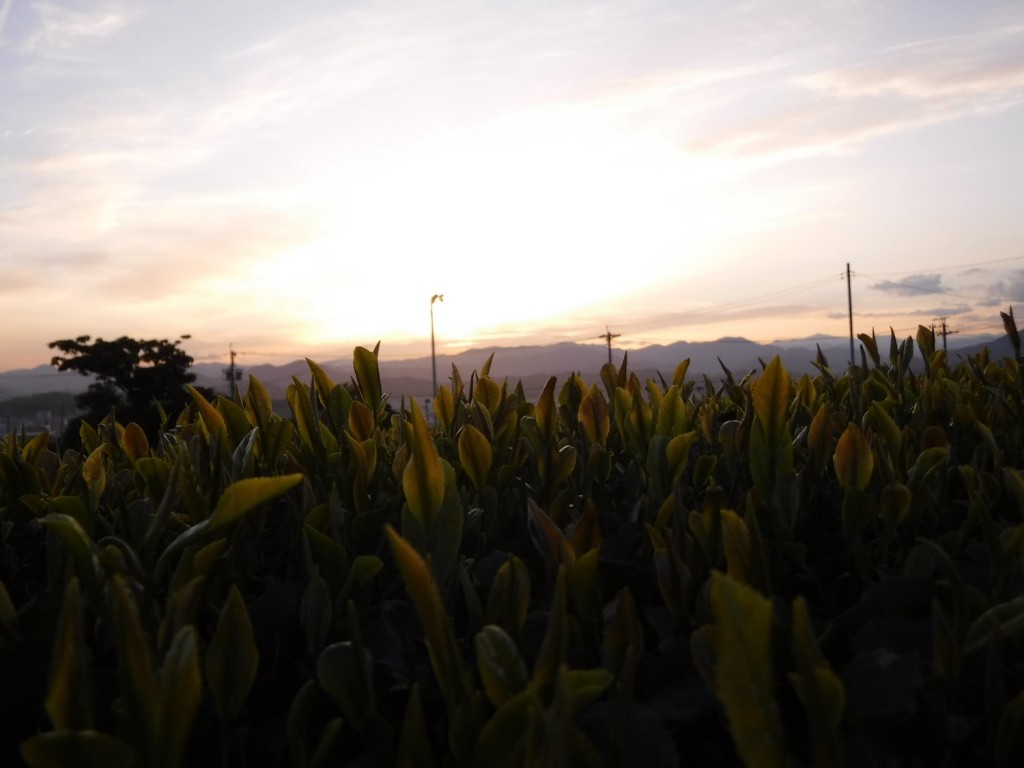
(531,364)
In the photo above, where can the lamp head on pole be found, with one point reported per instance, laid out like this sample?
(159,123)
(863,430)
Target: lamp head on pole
(436,297)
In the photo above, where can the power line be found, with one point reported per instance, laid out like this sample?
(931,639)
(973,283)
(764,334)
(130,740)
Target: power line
(953,266)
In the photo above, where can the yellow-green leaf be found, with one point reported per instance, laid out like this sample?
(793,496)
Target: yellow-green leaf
(545,412)
(819,689)
(180,693)
(509,599)
(884,425)
(134,443)
(84,749)
(68,702)
(136,675)
(771,398)
(35,448)
(426,599)
(210,416)
(488,393)
(548,537)
(475,454)
(244,495)
(744,676)
(423,477)
(593,416)
(679,375)
(324,383)
(232,657)
(367,376)
(672,414)
(306,423)
(853,459)
(819,437)
(361,421)
(83,549)
(677,453)
(258,402)
(95,475)
(736,543)
(502,670)
(444,408)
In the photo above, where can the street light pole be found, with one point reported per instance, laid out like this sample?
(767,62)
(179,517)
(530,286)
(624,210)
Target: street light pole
(433,354)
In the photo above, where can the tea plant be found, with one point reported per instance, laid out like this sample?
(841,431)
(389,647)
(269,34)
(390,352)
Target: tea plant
(769,571)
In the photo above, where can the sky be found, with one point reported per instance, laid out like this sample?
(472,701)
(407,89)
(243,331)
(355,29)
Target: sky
(295,179)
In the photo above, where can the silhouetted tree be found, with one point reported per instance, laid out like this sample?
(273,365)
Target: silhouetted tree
(133,377)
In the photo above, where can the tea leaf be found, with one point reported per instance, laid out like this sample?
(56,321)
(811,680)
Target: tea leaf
(82,548)
(134,443)
(84,749)
(545,412)
(423,477)
(232,657)
(853,459)
(475,454)
(444,409)
(324,383)
(210,416)
(367,376)
(137,678)
(245,495)
(548,537)
(819,690)
(258,402)
(414,745)
(95,475)
(736,543)
(180,692)
(771,399)
(342,671)
(68,702)
(1006,618)
(422,590)
(593,416)
(502,670)
(509,599)
(503,739)
(744,678)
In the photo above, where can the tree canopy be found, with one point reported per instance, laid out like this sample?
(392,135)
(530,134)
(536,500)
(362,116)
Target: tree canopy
(133,376)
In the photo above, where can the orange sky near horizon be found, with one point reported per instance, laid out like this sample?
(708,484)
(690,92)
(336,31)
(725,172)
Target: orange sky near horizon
(296,179)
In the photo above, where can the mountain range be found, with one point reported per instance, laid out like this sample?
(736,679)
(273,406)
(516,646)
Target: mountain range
(530,364)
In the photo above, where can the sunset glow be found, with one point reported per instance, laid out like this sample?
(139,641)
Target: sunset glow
(295,179)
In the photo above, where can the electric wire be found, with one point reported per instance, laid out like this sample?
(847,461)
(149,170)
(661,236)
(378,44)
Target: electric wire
(952,266)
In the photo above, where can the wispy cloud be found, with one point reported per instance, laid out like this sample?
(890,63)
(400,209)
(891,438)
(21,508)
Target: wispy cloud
(5,11)
(835,110)
(912,285)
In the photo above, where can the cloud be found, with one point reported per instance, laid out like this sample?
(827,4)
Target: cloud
(1008,289)
(15,280)
(912,285)
(61,28)
(947,311)
(834,110)
(5,11)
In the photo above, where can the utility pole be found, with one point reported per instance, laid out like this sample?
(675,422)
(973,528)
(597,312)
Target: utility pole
(944,330)
(608,336)
(232,374)
(433,355)
(849,304)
